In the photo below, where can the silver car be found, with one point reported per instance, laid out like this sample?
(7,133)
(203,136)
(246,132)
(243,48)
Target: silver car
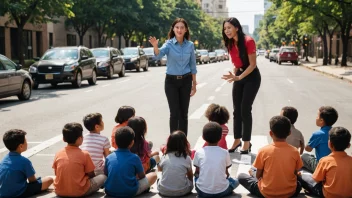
(204,56)
(272,55)
(13,80)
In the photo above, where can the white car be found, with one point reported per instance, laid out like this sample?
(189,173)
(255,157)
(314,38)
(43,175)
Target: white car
(204,56)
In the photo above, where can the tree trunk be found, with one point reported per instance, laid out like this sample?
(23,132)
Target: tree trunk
(345,35)
(81,39)
(330,50)
(127,40)
(119,41)
(20,43)
(325,45)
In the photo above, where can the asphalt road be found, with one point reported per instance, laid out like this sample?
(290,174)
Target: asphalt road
(44,116)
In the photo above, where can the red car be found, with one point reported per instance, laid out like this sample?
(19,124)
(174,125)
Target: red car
(287,54)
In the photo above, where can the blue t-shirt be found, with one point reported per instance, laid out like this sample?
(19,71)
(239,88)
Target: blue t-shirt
(121,167)
(14,171)
(319,141)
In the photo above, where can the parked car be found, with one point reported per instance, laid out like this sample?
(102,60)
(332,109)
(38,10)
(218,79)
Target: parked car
(261,52)
(220,54)
(197,53)
(226,56)
(109,62)
(272,54)
(135,58)
(266,54)
(149,51)
(287,54)
(213,57)
(204,56)
(13,80)
(65,64)
(163,60)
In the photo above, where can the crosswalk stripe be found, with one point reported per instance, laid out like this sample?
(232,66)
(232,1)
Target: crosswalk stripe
(200,85)
(199,112)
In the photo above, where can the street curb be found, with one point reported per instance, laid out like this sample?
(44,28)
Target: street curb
(326,73)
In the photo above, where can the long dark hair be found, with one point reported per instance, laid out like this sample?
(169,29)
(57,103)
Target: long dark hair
(171,33)
(177,143)
(229,43)
(139,126)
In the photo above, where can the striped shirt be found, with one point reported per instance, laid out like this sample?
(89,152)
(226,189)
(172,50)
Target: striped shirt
(95,144)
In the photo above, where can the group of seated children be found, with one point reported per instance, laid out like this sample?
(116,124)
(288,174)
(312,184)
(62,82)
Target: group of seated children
(86,164)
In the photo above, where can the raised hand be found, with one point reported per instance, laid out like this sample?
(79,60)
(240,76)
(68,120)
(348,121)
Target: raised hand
(230,77)
(153,41)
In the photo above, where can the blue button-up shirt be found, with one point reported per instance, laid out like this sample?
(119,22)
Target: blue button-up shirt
(319,141)
(181,59)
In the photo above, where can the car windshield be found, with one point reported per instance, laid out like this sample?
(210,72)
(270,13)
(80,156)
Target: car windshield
(203,52)
(275,51)
(211,54)
(288,50)
(61,54)
(149,51)
(220,52)
(130,51)
(99,53)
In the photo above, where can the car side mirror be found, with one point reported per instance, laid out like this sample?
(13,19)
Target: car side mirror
(36,58)
(84,57)
(18,66)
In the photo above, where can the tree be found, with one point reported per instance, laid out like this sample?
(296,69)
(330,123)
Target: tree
(33,11)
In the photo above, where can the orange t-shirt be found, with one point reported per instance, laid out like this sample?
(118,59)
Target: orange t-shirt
(71,166)
(279,162)
(113,143)
(335,171)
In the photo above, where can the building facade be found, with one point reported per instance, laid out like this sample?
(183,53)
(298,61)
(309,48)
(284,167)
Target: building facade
(257,19)
(245,29)
(215,8)
(267,5)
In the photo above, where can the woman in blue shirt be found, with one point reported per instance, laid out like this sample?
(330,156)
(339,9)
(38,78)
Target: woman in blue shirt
(180,81)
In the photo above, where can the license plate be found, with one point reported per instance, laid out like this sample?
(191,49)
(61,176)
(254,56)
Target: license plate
(289,55)
(49,76)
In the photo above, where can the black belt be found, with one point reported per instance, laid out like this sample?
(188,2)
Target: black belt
(178,77)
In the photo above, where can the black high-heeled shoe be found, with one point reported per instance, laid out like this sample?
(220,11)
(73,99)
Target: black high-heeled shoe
(244,152)
(234,149)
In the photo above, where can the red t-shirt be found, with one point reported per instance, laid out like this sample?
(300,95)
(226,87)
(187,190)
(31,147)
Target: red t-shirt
(234,53)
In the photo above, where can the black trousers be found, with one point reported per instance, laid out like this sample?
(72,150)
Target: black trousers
(178,96)
(243,95)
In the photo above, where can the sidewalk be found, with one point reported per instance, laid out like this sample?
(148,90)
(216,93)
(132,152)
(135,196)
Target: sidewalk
(344,73)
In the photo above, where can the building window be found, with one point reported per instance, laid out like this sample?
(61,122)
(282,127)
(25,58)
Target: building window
(206,5)
(71,40)
(2,40)
(51,40)
(220,6)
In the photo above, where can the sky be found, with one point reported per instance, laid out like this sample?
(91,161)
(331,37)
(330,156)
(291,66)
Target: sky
(244,11)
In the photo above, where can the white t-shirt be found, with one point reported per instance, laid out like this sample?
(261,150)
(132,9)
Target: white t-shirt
(212,162)
(174,173)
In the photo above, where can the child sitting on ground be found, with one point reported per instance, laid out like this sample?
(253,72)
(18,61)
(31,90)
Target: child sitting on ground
(327,116)
(16,169)
(212,178)
(333,176)
(122,166)
(176,167)
(74,169)
(276,165)
(141,147)
(97,145)
(123,114)
(296,138)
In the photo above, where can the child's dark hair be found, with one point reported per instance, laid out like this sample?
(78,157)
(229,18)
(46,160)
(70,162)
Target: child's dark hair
(123,137)
(212,132)
(91,120)
(124,113)
(328,114)
(177,143)
(339,138)
(13,138)
(139,127)
(280,126)
(71,132)
(217,113)
(291,113)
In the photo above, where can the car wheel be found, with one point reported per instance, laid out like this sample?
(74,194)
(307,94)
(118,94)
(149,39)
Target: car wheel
(146,67)
(279,62)
(35,85)
(93,80)
(53,84)
(78,80)
(26,91)
(122,72)
(269,60)
(111,73)
(138,67)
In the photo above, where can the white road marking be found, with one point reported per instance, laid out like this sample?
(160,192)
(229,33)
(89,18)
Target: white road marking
(200,85)
(224,83)
(3,150)
(45,155)
(289,80)
(211,98)
(123,81)
(34,142)
(199,112)
(106,85)
(218,89)
(36,149)
(88,90)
